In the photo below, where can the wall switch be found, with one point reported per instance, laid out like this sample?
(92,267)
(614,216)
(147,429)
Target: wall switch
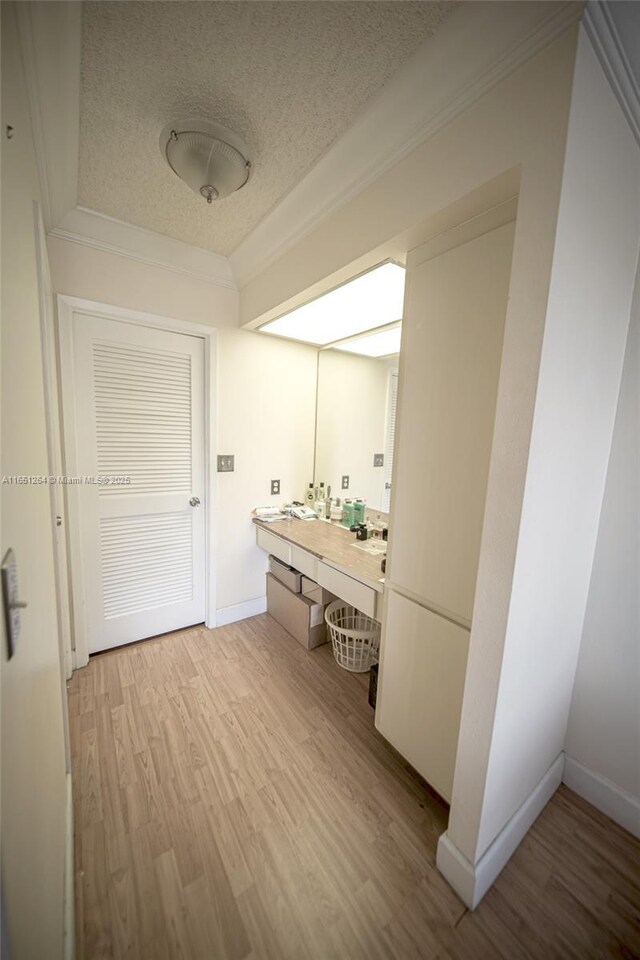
(345,481)
(225,462)
(275,487)
(378,459)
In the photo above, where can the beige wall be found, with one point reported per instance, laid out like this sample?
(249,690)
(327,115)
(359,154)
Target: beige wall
(603,734)
(265,400)
(93,274)
(33,753)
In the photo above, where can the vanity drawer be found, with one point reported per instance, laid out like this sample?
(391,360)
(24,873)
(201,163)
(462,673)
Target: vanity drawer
(346,588)
(276,546)
(304,561)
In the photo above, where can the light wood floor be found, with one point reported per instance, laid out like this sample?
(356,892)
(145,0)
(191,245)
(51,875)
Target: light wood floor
(233,800)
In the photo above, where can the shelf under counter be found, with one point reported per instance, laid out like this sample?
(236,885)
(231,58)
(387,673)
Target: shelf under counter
(326,552)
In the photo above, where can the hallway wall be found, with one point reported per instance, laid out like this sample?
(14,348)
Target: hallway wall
(34,782)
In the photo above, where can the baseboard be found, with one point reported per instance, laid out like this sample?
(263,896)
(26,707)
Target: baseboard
(610,799)
(472,881)
(241,611)
(69,887)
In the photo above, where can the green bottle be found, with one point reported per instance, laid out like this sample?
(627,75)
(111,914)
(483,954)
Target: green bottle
(347,513)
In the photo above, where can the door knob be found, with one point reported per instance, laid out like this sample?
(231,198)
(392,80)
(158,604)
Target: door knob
(194,501)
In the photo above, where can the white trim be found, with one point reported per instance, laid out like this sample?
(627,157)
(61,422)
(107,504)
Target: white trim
(92,229)
(50,42)
(67,308)
(474,49)
(241,611)
(69,936)
(609,48)
(54,447)
(612,800)
(472,881)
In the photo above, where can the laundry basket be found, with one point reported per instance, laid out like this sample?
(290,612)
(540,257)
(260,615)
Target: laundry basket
(354,635)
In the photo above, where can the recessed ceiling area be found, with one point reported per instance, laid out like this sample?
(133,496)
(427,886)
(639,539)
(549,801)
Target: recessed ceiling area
(360,316)
(289,77)
(369,301)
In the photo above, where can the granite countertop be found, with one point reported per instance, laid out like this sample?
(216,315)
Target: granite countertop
(331,542)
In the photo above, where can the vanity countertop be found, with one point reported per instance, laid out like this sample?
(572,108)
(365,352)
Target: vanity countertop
(330,542)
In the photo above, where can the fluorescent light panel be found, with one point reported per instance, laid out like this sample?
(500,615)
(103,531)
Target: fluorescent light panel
(381,344)
(370,300)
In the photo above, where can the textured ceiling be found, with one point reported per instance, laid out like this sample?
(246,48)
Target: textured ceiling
(289,77)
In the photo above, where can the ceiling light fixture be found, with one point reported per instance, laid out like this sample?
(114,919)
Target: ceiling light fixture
(373,299)
(211,159)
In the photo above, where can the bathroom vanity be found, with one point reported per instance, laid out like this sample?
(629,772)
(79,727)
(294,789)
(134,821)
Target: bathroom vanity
(329,554)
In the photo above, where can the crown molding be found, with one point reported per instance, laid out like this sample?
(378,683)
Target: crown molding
(609,48)
(477,47)
(50,43)
(96,230)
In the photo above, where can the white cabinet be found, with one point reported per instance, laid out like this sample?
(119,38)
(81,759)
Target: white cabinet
(349,588)
(276,546)
(422,670)
(352,591)
(452,344)
(304,561)
(455,309)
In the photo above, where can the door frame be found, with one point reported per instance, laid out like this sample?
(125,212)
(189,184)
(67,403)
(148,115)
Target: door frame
(68,308)
(46,303)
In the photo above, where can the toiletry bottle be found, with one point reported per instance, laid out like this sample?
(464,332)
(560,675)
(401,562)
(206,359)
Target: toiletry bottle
(336,510)
(309,498)
(347,514)
(327,504)
(358,511)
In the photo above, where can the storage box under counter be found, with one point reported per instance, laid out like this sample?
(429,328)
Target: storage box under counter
(300,616)
(286,574)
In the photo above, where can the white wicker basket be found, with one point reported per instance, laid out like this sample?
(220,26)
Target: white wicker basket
(354,635)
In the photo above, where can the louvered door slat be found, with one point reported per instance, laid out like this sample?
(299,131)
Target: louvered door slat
(124,387)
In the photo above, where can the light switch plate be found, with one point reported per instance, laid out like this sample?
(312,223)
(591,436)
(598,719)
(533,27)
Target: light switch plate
(275,487)
(345,481)
(225,462)
(378,459)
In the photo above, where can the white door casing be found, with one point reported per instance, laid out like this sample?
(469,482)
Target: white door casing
(138,397)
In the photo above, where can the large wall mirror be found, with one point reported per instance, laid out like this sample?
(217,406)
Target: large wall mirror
(355,425)
(357,329)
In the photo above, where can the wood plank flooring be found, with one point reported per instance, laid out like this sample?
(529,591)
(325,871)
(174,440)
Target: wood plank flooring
(233,801)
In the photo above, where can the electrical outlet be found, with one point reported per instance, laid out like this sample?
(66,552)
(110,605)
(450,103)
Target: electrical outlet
(225,462)
(345,481)
(378,459)
(275,488)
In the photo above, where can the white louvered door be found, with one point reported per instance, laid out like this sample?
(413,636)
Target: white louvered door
(139,412)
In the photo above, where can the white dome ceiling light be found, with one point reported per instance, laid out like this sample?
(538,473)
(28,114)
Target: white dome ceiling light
(210,158)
